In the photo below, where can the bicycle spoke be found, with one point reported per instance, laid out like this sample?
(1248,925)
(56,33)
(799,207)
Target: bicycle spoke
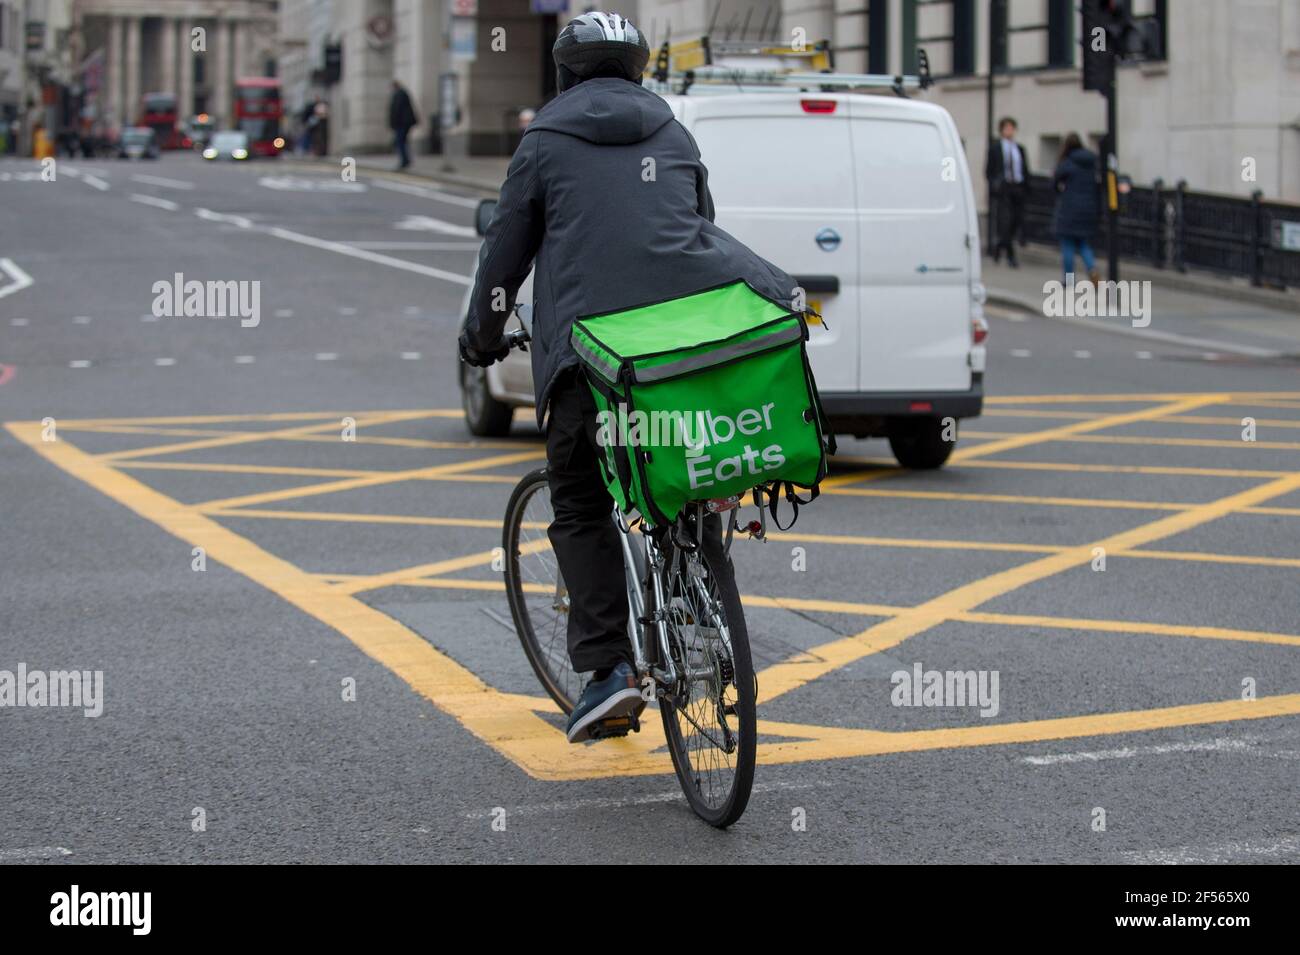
(543,594)
(702,650)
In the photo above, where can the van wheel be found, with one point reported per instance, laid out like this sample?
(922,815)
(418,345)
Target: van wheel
(484,415)
(918,443)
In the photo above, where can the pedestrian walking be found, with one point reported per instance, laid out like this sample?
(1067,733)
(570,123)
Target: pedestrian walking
(401,117)
(307,122)
(1007,172)
(1078,205)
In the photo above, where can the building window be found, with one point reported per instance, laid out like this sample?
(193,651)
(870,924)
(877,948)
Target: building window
(878,37)
(946,29)
(1158,11)
(1060,33)
(867,29)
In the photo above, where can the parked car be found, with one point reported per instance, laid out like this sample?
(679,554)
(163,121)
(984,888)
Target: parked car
(227,144)
(867,201)
(137,142)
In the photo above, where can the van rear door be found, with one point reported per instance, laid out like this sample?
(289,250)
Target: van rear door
(911,180)
(782,183)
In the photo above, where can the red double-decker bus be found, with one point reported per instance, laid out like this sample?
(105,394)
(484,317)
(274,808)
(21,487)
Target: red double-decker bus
(158,112)
(258,111)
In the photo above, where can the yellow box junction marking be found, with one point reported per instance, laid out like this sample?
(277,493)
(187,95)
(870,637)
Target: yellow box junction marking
(511,724)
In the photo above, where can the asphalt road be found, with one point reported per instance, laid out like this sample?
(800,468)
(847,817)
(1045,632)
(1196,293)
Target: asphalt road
(226,691)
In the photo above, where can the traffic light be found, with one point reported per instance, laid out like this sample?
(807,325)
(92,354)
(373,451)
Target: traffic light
(1110,31)
(1098,46)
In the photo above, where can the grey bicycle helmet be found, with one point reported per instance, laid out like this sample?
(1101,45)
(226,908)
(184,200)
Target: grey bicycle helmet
(599,44)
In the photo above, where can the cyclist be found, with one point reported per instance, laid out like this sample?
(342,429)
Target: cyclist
(607,200)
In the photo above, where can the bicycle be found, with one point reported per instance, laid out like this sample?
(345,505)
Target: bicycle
(686,625)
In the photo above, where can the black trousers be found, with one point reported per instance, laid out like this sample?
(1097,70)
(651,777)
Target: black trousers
(583,536)
(1010,218)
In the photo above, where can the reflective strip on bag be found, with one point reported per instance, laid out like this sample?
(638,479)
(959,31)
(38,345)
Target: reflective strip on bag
(716,356)
(595,360)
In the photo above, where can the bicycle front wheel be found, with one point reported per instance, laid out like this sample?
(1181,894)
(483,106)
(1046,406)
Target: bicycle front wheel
(709,715)
(535,588)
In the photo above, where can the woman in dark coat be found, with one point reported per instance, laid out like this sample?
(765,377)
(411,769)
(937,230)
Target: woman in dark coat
(1078,205)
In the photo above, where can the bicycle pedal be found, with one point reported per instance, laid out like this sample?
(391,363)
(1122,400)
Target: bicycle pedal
(615,727)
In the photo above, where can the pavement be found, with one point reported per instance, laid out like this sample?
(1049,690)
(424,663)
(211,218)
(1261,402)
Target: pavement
(276,543)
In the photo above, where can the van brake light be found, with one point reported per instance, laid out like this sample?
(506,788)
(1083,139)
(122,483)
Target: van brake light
(818,105)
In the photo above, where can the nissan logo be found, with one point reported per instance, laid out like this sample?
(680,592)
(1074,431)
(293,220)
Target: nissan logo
(828,240)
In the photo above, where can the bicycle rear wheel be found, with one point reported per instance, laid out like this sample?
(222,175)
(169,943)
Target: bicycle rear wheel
(539,599)
(709,716)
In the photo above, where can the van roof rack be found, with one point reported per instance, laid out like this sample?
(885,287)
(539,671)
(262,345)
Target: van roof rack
(680,67)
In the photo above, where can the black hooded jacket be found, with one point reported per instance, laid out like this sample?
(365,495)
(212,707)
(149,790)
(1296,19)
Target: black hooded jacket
(1078,207)
(607,193)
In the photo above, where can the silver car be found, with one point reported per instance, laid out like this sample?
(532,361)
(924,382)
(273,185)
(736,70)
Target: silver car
(227,144)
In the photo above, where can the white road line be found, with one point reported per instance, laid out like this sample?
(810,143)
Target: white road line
(242,221)
(1144,355)
(88,178)
(412,310)
(163,181)
(154,201)
(347,310)
(79,363)
(647,799)
(284,313)
(430,224)
(426,192)
(18,322)
(1021,352)
(342,249)
(164,362)
(34,852)
(326,355)
(1083,353)
(20,279)
(1220,745)
(368,256)
(418,246)
(1173,338)
(244,359)
(411,355)
(82,319)
(1259,851)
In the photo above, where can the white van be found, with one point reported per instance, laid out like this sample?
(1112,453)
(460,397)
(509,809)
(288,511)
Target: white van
(867,201)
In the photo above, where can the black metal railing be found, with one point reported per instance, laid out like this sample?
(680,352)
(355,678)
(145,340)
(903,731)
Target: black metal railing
(1180,230)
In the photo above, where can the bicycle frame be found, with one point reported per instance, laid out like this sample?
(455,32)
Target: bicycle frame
(647,604)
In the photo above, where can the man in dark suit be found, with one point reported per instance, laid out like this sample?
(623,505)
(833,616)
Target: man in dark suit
(1007,172)
(401,118)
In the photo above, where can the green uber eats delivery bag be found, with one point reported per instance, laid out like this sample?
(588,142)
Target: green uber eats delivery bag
(703,396)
